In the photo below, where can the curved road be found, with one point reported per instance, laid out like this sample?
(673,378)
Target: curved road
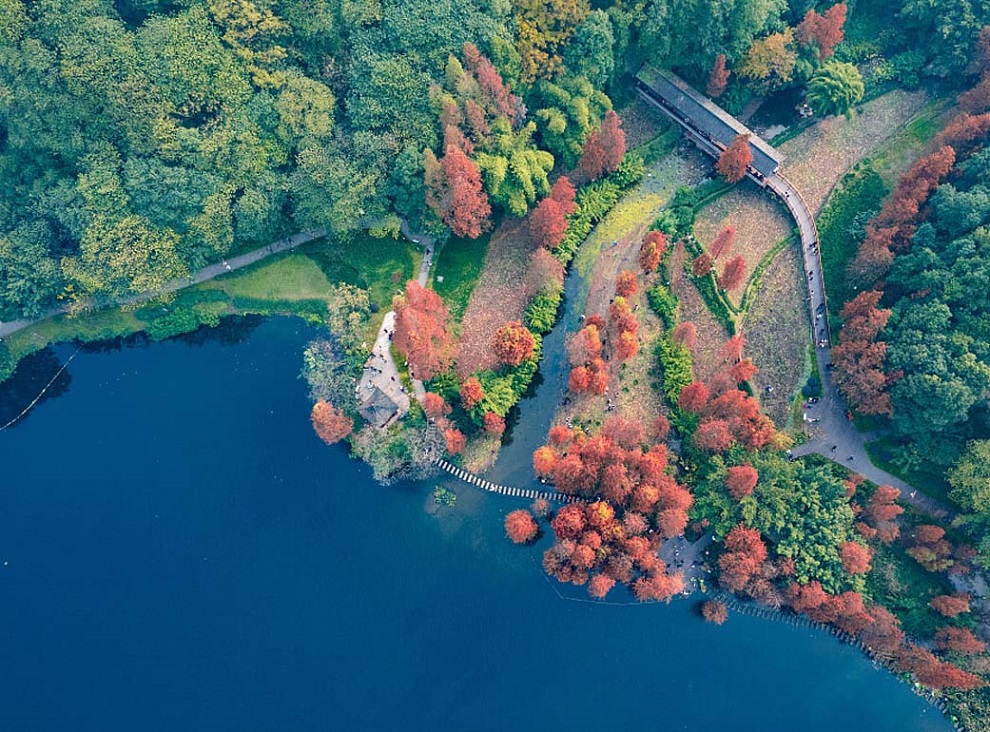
(836,437)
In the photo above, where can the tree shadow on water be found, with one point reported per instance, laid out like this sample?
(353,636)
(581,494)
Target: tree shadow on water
(27,382)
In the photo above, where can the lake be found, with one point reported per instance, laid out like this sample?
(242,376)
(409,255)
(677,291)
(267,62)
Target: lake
(178,551)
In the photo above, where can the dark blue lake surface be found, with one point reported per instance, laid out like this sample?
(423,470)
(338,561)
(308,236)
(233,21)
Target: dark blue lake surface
(179,552)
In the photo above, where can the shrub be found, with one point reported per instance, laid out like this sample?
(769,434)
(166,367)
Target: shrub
(676,368)
(665,304)
(542,311)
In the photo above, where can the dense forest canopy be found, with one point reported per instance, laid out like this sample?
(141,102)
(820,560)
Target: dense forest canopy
(142,139)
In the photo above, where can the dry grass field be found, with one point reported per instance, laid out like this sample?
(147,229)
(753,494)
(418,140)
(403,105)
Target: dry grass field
(711,335)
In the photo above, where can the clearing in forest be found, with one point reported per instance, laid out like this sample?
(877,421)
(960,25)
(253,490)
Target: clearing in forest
(817,158)
(776,332)
(502,294)
(760,221)
(711,334)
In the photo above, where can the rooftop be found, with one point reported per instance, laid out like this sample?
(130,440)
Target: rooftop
(706,116)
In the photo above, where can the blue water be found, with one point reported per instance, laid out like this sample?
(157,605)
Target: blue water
(179,552)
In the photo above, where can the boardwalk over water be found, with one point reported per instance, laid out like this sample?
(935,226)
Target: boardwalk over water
(487,485)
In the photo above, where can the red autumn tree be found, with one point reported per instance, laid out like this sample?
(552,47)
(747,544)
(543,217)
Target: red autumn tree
(733,274)
(604,148)
(740,480)
(421,330)
(599,585)
(330,424)
(732,349)
(735,160)
(626,346)
(694,397)
(951,605)
(456,194)
(880,513)
(930,548)
(513,343)
(547,223)
(960,640)
(685,334)
(435,406)
(520,527)
(744,370)
(822,31)
(714,611)
(580,379)
(722,244)
(859,358)
(713,435)
(565,194)
(585,346)
(933,673)
(702,265)
(652,250)
(625,284)
(496,95)
(744,554)
(455,440)
(855,557)
(884,634)
(661,428)
(718,78)
(493,424)
(965,133)
(471,392)
(544,460)
(613,141)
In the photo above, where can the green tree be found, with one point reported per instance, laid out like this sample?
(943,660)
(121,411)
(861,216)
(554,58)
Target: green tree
(835,89)
(124,257)
(591,53)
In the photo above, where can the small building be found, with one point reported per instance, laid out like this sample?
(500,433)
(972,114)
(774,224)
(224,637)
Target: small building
(378,407)
(710,125)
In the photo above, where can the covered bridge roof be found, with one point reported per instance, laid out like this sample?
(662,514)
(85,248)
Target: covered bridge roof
(701,113)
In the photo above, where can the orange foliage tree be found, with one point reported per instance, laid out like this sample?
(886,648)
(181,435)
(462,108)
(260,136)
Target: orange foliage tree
(625,284)
(455,192)
(455,440)
(733,274)
(702,265)
(740,480)
(493,424)
(604,148)
(513,343)
(735,160)
(435,406)
(616,536)
(718,77)
(930,548)
(520,527)
(855,557)
(330,424)
(859,358)
(714,611)
(471,392)
(722,244)
(652,250)
(951,605)
(960,640)
(823,31)
(422,330)
(744,554)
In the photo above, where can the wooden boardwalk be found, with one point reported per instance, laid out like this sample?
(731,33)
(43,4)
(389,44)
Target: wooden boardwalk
(487,485)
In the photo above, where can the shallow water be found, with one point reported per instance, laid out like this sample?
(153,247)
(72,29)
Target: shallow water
(178,551)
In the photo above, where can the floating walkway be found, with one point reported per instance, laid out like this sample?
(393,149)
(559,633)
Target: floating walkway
(487,485)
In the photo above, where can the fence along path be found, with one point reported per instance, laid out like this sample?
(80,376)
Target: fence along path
(487,485)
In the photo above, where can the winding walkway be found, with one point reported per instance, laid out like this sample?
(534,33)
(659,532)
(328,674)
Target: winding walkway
(505,490)
(835,436)
(203,275)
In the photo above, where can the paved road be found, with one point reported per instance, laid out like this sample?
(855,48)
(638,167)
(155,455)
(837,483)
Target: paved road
(207,273)
(833,434)
(380,368)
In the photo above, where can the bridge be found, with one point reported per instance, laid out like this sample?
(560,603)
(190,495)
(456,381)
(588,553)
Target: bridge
(487,485)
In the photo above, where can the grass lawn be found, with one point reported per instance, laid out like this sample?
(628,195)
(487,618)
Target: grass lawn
(380,266)
(292,277)
(858,195)
(929,481)
(459,264)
